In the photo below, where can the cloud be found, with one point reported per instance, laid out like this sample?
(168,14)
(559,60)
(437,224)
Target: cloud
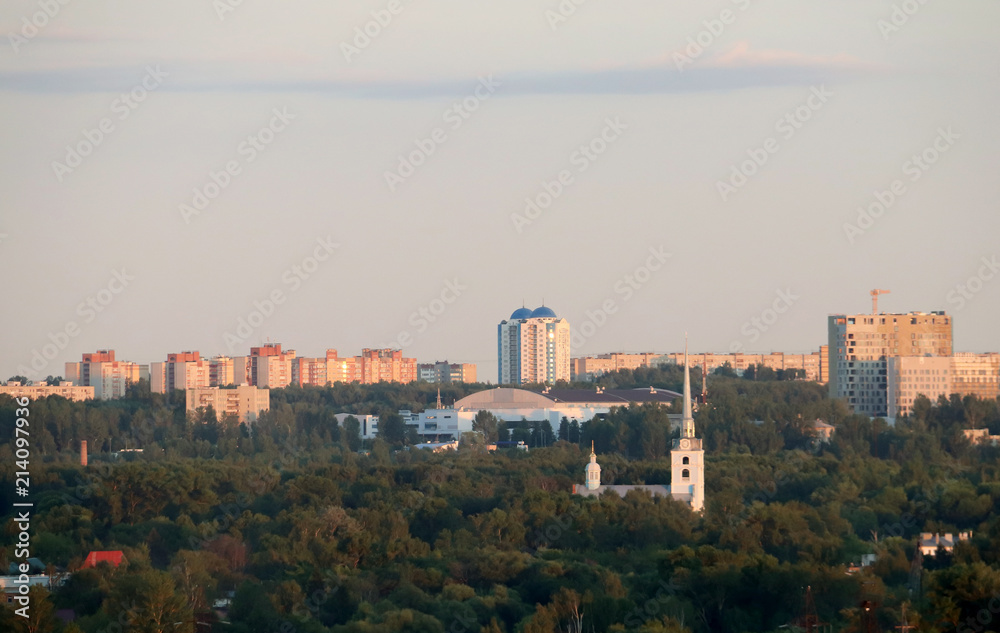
(740,55)
(738,67)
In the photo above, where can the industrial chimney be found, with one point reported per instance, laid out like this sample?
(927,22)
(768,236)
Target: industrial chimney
(83,452)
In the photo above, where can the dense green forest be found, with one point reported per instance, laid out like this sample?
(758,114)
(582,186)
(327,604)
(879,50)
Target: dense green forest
(308,531)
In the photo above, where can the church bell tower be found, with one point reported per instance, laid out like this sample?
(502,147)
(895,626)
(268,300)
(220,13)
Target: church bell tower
(687,458)
(593,471)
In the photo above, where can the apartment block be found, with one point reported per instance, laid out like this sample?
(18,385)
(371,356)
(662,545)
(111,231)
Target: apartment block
(910,376)
(342,369)
(976,375)
(221,372)
(65,389)
(533,346)
(590,367)
(861,344)
(245,402)
(386,365)
(310,371)
(934,376)
(267,366)
(443,371)
(185,370)
(811,364)
(109,377)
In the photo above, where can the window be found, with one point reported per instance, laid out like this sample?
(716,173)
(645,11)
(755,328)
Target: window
(687,460)
(685,474)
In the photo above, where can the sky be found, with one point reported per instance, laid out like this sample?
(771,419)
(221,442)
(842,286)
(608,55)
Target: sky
(213,175)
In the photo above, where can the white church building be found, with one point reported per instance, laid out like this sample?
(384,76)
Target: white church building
(687,464)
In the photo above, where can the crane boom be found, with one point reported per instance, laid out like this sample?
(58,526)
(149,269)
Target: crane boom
(875,294)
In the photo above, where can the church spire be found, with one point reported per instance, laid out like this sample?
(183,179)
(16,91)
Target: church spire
(687,421)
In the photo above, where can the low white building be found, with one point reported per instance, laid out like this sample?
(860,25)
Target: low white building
(514,405)
(930,542)
(369,423)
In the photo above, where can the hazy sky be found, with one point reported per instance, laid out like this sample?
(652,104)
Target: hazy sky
(631,123)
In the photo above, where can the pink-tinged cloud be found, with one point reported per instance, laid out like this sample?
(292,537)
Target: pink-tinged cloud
(740,55)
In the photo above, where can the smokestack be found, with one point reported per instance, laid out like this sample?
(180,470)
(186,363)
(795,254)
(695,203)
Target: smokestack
(83,452)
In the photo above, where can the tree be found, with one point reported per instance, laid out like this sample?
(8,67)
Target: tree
(392,429)
(725,370)
(351,433)
(487,424)
(152,603)
(564,429)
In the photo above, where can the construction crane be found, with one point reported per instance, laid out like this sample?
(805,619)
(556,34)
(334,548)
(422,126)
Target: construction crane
(875,294)
(808,622)
(905,626)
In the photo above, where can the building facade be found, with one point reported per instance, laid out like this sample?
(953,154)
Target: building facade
(186,370)
(266,367)
(65,389)
(533,346)
(310,371)
(110,378)
(446,372)
(810,364)
(221,372)
(386,365)
(861,344)
(976,375)
(368,423)
(591,367)
(935,376)
(813,365)
(245,402)
(342,369)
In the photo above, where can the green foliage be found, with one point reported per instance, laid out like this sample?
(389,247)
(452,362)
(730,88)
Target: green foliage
(308,535)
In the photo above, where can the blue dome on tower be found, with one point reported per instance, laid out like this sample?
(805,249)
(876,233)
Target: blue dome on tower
(543,313)
(520,313)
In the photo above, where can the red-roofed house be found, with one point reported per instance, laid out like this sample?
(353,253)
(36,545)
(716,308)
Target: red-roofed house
(113,558)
